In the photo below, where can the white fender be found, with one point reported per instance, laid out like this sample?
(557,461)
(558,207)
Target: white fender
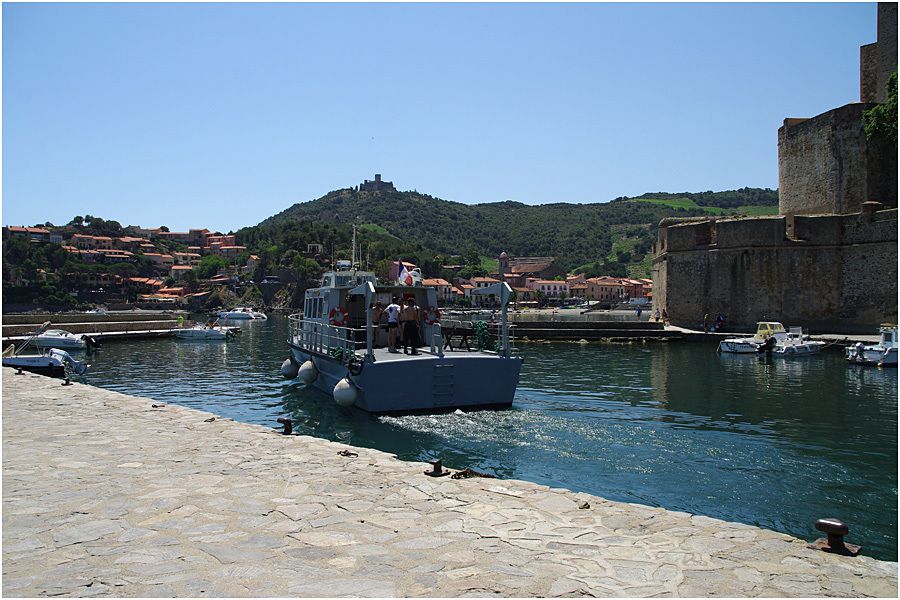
(308,372)
(289,368)
(344,392)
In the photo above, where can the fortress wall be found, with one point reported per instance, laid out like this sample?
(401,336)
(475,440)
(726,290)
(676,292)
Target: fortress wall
(762,231)
(820,229)
(881,226)
(824,282)
(823,163)
(687,236)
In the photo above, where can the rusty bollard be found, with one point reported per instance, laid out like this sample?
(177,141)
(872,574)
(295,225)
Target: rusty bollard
(436,469)
(288,425)
(834,543)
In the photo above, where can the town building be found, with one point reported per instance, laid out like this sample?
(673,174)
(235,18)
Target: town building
(443,289)
(35,234)
(551,288)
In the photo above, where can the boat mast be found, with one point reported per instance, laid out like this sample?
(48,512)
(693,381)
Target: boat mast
(353,250)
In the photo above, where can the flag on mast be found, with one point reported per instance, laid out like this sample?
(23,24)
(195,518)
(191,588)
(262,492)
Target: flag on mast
(404,277)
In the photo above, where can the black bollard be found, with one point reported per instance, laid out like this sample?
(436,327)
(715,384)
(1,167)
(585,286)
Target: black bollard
(67,382)
(834,543)
(436,469)
(288,425)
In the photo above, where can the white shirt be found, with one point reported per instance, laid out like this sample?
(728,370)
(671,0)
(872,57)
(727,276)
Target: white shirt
(393,311)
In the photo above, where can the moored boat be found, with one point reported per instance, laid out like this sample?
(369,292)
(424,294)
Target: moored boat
(203,332)
(336,347)
(52,362)
(882,354)
(795,344)
(241,313)
(59,338)
(752,345)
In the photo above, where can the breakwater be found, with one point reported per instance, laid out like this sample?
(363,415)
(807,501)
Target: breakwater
(112,495)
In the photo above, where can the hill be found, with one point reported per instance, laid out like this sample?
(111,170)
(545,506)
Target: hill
(614,236)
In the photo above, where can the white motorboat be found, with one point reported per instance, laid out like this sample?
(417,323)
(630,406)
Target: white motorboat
(59,338)
(203,332)
(796,344)
(241,313)
(882,354)
(52,362)
(336,347)
(752,345)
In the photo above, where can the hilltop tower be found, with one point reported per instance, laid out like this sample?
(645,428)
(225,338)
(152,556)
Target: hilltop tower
(377,186)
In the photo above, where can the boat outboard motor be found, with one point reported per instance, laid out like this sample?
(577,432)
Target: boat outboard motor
(78,367)
(767,346)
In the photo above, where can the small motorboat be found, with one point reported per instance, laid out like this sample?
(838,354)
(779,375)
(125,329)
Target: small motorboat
(796,344)
(52,362)
(752,345)
(241,313)
(59,338)
(882,354)
(203,332)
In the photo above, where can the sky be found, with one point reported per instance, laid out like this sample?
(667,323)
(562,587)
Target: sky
(221,115)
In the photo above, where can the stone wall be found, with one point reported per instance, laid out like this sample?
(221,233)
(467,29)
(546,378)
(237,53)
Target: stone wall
(834,274)
(877,61)
(826,165)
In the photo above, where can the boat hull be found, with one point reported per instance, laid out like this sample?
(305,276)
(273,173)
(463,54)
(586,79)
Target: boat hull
(41,365)
(735,346)
(873,356)
(424,383)
(63,343)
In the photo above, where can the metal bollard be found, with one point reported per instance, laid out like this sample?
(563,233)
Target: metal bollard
(288,425)
(67,382)
(834,543)
(436,469)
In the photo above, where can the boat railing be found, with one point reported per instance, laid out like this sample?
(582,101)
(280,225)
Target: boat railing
(466,328)
(323,338)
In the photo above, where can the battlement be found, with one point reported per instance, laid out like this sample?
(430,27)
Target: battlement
(377,186)
(873,224)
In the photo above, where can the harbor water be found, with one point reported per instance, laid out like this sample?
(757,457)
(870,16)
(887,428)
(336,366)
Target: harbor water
(775,444)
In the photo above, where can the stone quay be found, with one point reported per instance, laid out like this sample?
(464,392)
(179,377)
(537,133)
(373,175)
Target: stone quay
(106,494)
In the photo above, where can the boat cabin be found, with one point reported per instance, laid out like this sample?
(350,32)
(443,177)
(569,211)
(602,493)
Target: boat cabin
(767,329)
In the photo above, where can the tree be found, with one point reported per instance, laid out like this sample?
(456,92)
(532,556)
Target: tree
(210,265)
(880,121)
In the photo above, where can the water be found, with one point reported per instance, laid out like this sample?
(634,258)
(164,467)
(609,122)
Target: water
(777,445)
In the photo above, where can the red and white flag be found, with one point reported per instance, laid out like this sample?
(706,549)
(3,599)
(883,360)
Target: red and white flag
(404,277)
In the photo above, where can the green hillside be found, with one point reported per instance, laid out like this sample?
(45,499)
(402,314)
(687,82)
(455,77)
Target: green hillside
(613,237)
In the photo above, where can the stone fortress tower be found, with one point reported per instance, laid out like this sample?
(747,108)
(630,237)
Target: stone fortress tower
(829,259)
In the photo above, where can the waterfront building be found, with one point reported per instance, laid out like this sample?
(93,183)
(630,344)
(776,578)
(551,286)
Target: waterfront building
(549,287)
(608,289)
(442,288)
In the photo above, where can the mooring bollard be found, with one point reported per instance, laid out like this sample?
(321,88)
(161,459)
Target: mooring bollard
(288,425)
(834,543)
(436,469)
(67,382)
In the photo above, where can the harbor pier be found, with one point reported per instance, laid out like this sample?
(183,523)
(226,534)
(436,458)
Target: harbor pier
(106,494)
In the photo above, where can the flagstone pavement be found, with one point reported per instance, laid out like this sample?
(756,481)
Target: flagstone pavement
(105,495)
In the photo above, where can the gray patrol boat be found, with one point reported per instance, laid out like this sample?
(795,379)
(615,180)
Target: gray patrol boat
(336,348)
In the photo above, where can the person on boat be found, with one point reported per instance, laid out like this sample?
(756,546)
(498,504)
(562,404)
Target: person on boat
(638,311)
(393,324)
(377,313)
(409,317)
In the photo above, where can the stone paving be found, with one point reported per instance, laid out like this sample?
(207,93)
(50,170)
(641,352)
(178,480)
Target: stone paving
(105,495)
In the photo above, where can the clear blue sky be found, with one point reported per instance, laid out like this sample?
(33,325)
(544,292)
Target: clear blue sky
(220,115)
